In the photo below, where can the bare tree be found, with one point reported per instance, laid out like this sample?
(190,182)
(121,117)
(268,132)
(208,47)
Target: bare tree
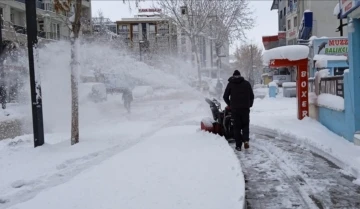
(249,62)
(230,20)
(191,17)
(75,26)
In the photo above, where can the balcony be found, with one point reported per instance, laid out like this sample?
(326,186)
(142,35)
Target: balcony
(293,7)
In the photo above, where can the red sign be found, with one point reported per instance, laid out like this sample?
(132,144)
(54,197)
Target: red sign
(302,92)
(150,10)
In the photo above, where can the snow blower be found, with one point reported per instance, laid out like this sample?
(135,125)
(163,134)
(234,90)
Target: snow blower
(221,123)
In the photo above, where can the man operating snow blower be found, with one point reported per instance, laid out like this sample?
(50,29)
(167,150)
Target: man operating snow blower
(239,96)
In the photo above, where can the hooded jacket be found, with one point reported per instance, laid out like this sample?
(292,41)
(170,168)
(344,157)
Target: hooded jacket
(238,93)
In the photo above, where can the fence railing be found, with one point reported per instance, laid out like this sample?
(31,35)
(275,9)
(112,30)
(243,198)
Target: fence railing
(311,85)
(332,85)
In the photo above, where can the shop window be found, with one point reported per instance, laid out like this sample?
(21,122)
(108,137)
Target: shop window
(295,21)
(289,24)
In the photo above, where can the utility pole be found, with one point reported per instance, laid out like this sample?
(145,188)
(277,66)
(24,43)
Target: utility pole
(2,70)
(251,74)
(36,100)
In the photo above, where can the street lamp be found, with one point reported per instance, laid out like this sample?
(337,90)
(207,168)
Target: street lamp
(36,101)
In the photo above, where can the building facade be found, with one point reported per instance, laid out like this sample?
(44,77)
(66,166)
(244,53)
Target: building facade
(148,32)
(291,18)
(51,25)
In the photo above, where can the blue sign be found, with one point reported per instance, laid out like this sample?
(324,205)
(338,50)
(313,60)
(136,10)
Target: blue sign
(305,29)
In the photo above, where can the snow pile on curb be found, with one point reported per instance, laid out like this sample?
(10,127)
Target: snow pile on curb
(331,101)
(289,84)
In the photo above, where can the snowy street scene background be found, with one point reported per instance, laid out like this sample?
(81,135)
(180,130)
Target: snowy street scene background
(126,106)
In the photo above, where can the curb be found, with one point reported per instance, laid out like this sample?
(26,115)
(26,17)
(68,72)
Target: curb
(255,129)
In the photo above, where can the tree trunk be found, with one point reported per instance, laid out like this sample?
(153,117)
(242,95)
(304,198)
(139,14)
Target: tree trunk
(196,54)
(74,75)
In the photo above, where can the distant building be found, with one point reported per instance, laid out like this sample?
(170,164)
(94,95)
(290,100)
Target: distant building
(106,23)
(148,31)
(50,24)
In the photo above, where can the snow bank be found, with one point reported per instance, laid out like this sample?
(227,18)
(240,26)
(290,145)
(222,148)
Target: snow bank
(322,73)
(171,169)
(312,98)
(336,10)
(289,84)
(273,83)
(346,71)
(331,101)
(291,52)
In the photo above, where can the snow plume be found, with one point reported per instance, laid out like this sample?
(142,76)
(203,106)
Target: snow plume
(54,66)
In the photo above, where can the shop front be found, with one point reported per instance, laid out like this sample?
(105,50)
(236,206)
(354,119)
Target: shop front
(329,53)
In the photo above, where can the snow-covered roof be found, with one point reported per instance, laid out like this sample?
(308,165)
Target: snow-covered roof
(337,9)
(322,60)
(329,57)
(291,52)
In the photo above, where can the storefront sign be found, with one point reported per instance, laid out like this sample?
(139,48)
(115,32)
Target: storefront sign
(332,46)
(302,92)
(292,33)
(150,10)
(348,6)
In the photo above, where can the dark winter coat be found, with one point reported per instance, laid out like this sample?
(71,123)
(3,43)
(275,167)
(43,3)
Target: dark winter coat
(127,95)
(238,93)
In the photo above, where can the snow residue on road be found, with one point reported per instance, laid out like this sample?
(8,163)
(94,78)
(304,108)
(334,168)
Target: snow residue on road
(177,167)
(331,101)
(291,52)
(280,115)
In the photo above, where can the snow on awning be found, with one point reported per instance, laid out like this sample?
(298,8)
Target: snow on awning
(291,52)
(329,57)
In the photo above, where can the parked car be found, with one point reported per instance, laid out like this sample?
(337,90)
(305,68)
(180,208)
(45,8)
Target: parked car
(94,92)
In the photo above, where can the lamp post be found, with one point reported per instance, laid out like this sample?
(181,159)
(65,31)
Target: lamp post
(36,100)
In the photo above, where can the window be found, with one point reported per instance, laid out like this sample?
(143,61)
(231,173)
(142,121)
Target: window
(339,70)
(295,21)
(152,28)
(284,11)
(280,14)
(289,24)
(135,28)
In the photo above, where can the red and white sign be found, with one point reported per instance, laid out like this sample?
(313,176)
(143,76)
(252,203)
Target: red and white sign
(149,10)
(302,92)
(346,5)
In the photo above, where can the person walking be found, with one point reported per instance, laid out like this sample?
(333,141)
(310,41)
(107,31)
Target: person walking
(127,98)
(239,96)
(219,89)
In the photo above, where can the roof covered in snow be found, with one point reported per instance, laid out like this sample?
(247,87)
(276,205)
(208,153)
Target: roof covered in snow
(322,60)
(291,52)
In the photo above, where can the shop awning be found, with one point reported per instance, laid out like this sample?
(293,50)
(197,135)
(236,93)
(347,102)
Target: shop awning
(305,30)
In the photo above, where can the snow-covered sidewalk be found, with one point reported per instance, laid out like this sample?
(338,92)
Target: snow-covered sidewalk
(279,115)
(154,157)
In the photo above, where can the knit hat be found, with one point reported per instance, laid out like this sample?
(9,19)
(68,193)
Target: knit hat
(236,72)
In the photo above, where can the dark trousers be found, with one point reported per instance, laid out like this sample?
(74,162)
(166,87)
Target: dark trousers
(3,97)
(241,124)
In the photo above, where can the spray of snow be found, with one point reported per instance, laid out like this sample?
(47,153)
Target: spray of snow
(54,66)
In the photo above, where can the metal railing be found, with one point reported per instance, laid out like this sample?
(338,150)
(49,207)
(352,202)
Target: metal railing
(332,85)
(311,85)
